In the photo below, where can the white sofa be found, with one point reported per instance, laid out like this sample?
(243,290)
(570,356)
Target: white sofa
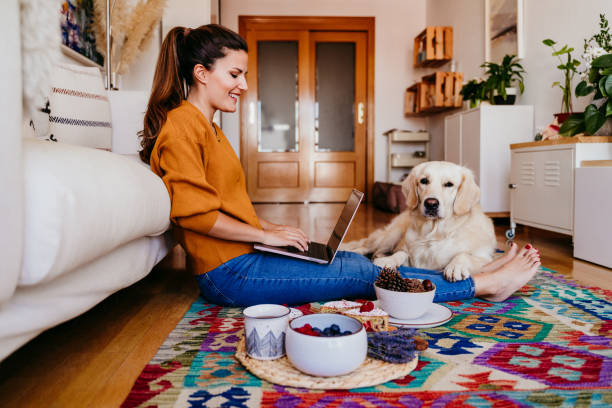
(94,222)
(76,223)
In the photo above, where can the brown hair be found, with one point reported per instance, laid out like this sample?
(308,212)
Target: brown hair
(181,50)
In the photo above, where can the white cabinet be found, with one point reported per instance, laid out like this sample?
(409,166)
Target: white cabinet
(592,225)
(542,180)
(479,139)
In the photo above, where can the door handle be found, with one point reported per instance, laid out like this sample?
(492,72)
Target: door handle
(360,113)
(512,186)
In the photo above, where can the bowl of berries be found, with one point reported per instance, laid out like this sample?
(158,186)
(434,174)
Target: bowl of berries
(403,298)
(326,344)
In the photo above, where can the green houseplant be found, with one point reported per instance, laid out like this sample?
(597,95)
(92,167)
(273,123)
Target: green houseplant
(474,91)
(597,80)
(596,114)
(568,67)
(501,78)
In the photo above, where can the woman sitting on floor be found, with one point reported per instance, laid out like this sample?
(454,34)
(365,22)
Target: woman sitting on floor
(200,71)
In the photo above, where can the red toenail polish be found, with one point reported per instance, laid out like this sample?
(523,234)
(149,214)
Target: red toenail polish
(528,246)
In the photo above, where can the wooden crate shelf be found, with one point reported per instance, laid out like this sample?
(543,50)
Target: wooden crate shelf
(436,92)
(433,47)
(410,100)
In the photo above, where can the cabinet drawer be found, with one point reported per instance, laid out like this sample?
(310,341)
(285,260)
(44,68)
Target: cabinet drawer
(544,187)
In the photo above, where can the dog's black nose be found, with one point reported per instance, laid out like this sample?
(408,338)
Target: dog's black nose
(431,204)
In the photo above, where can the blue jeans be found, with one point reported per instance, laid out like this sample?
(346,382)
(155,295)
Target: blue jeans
(267,278)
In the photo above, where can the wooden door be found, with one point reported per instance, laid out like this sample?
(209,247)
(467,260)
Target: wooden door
(337,150)
(304,134)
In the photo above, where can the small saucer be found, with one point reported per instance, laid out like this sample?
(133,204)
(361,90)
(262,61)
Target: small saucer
(437,315)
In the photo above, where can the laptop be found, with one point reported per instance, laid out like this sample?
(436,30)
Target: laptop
(318,252)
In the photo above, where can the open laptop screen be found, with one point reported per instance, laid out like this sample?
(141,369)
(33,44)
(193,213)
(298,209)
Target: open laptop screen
(345,219)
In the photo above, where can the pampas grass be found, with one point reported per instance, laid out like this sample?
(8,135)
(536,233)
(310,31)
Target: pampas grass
(131,29)
(143,20)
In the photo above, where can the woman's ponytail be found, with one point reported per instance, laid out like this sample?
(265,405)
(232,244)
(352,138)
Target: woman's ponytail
(181,51)
(167,93)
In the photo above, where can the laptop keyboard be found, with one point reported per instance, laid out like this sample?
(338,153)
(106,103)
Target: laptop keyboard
(315,250)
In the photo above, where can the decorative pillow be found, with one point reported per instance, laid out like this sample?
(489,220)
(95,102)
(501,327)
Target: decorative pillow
(79,111)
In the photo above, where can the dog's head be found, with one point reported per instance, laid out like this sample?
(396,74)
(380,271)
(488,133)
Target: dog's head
(439,189)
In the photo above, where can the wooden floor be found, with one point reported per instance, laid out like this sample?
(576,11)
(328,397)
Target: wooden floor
(93,360)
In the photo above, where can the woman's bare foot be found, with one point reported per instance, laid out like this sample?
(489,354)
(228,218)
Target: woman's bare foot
(505,258)
(499,284)
(502,260)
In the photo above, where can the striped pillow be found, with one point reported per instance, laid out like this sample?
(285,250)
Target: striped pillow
(79,108)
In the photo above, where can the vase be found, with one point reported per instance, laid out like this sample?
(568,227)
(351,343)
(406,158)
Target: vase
(510,97)
(562,117)
(473,103)
(605,130)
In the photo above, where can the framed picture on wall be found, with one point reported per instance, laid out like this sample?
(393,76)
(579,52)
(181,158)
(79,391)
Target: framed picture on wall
(77,29)
(503,29)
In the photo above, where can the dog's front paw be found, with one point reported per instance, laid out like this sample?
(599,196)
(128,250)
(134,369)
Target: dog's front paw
(456,271)
(392,261)
(385,262)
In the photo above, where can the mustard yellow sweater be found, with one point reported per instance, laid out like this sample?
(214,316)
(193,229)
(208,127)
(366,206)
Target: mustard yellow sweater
(204,177)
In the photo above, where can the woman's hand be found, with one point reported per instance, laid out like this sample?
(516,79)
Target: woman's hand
(286,236)
(283,235)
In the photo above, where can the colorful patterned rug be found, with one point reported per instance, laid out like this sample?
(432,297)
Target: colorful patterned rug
(550,345)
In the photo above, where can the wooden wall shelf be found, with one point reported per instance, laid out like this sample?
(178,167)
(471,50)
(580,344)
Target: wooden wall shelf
(436,92)
(433,47)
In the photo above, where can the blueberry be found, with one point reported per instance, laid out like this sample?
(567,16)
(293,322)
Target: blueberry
(346,332)
(316,329)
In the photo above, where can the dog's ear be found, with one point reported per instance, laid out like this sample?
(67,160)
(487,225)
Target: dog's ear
(468,193)
(409,188)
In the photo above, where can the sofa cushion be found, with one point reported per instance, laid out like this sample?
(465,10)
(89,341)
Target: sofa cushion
(81,203)
(79,111)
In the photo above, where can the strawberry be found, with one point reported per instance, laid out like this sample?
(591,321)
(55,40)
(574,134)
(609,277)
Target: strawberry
(367,307)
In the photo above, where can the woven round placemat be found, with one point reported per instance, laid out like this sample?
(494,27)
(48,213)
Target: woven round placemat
(280,371)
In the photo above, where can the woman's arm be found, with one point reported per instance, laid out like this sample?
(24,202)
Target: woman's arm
(267,225)
(226,227)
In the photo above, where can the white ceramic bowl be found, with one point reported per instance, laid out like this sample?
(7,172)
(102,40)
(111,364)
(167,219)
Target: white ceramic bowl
(404,305)
(326,356)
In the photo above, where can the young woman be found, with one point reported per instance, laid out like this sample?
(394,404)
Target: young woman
(200,71)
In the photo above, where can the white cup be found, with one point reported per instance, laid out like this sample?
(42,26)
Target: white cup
(264,330)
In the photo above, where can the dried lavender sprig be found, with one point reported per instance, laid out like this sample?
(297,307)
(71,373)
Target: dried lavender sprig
(398,346)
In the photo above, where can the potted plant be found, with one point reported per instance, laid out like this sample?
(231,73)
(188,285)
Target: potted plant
(597,80)
(474,91)
(568,68)
(500,80)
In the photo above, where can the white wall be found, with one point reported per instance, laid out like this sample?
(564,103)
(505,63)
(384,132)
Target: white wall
(187,13)
(565,21)
(397,23)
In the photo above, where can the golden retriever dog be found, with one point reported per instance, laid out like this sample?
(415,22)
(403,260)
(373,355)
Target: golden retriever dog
(442,228)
